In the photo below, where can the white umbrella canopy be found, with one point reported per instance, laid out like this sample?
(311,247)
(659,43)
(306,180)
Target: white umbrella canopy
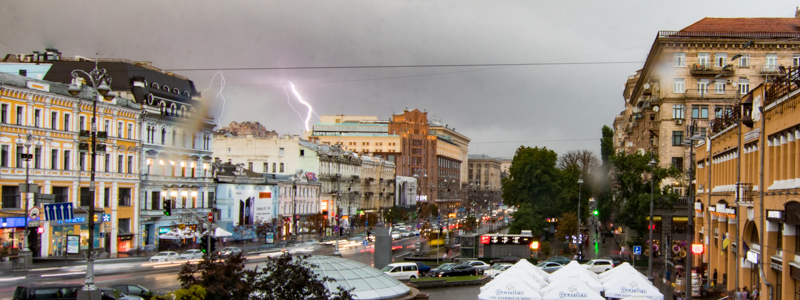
(533,281)
(622,267)
(584,278)
(621,275)
(572,267)
(632,286)
(219,232)
(526,264)
(530,270)
(509,288)
(571,290)
(635,298)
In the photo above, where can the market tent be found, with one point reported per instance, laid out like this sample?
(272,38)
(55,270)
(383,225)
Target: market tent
(571,290)
(622,267)
(526,270)
(524,263)
(635,298)
(571,268)
(509,288)
(632,286)
(577,276)
(219,232)
(621,275)
(177,234)
(534,282)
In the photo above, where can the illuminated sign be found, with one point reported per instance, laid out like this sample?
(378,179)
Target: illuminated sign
(485,239)
(324,205)
(697,248)
(510,239)
(163,230)
(535,245)
(79,220)
(263,195)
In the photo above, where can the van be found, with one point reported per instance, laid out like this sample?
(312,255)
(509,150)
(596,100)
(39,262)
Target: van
(406,270)
(46,291)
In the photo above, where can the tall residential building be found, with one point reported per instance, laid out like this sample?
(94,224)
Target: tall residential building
(54,119)
(484,180)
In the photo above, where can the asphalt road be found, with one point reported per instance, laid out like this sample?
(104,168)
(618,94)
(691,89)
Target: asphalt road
(163,276)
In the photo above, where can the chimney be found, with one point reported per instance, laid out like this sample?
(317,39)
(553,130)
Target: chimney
(797,12)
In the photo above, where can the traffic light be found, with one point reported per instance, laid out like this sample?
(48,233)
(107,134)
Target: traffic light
(213,242)
(595,212)
(204,243)
(167,207)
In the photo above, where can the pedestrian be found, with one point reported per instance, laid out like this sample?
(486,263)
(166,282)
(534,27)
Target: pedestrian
(714,277)
(754,295)
(745,293)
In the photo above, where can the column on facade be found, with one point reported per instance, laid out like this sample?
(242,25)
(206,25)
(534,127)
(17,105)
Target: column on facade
(769,172)
(794,158)
(789,242)
(783,162)
(732,257)
(720,256)
(114,219)
(790,160)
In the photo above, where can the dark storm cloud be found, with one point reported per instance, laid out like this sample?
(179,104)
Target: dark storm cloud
(560,106)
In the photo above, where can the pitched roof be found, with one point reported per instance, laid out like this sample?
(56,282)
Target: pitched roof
(745,25)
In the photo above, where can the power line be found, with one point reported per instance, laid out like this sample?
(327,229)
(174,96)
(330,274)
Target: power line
(404,66)
(539,141)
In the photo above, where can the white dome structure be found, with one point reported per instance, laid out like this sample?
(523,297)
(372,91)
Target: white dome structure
(369,283)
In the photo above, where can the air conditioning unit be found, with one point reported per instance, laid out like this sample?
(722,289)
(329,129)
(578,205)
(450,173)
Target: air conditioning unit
(678,121)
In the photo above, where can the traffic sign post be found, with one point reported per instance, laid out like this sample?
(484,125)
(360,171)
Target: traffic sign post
(637,250)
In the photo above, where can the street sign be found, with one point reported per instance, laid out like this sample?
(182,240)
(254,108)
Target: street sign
(336,228)
(58,211)
(365,242)
(637,250)
(33,223)
(210,217)
(419,225)
(34,213)
(106,217)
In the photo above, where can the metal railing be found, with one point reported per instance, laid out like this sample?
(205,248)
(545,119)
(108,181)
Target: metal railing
(783,85)
(749,35)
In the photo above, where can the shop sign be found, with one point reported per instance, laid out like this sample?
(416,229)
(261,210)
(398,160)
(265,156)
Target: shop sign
(775,215)
(510,240)
(163,230)
(270,238)
(12,222)
(78,220)
(125,238)
(792,213)
(698,206)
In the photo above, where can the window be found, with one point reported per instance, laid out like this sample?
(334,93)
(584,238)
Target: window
(677,111)
(744,86)
(744,61)
(37,157)
(19,156)
(280,153)
(679,59)
(250,166)
(796,60)
(130,131)
(82,161)
(124,226)
(20,110)
(281,167)
(106,197)
(772,59)
(82,122)
(130,164)
(37,117)
(678,86)
(120,165)
(124,197)
(719,87)
(53,120)
(677,138)
(677,163)
(702,87)
(274,169)
(107,163)
(703,131)
(155,200)
(86,197)
(266,167)
(174,137)
(53,159)
(703,59)
(720,59)
(4,112)
(119,129)
(66,122)
(4,156)
(302,152)
(66,159)
(107,125)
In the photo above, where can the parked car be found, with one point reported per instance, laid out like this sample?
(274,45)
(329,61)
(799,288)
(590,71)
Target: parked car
(227,251)
(456,270)
(549,266)
(113,294)
(559,259)
(165,256)
(478,265)
(508,259)
(133,289)
(56,291)
(496,269)
(191,254)
(407,270)
(599,265)
(433,271)
(423,269)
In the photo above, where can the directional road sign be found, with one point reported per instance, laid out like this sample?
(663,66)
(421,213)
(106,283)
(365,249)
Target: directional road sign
(365,242)
(637,250)
(58,211)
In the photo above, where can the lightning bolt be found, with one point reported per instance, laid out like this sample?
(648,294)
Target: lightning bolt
(219,93)
(310,109)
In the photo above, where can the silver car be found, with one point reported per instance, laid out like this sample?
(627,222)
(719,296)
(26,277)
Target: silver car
(164,256)
(191,254)
(227,251)
(496,269)
(549,266)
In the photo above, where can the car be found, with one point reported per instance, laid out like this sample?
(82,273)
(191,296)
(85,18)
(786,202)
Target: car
(423,269)
(508,259)
(477,264)
(496,269)
(455,270)
(549,266)
(405,270)
(407,234)
(165,256)
(227,251)
(191,254)
(559,259)
(117,295)
(46,291)
(599,265)
(133,289)
(396,235)
(434,270)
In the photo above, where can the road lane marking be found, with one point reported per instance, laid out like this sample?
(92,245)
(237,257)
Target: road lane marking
(65,274)
(12,278)
(48,269)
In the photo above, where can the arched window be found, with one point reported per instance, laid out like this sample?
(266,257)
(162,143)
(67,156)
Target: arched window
(163,136)
(174,137)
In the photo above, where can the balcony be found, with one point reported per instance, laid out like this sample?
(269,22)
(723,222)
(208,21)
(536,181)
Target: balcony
(710,93)
(771,69)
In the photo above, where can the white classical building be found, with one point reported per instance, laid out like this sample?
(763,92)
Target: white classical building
(283,155)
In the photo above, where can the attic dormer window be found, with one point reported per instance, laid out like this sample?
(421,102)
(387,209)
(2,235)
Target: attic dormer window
(154,85)
(176,91)
(165,88)
(186,93)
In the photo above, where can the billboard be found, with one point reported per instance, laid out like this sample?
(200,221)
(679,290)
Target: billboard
(251,205)
(405,191)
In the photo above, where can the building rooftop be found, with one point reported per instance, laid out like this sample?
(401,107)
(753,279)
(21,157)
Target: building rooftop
(55,88)
(745,25)
(480,156)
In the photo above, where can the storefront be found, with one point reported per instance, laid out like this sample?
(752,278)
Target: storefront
(11,232)
(76,226)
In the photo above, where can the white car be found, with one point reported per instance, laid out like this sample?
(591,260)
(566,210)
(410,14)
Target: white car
(496,269)
(478,265)
(191,254)
(599,265)
(407,233)
(396,235)
(165,256)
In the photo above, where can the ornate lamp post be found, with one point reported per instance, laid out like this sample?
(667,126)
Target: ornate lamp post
(580,186)
(27,156)
(99,80)
(650,227)
(419,234)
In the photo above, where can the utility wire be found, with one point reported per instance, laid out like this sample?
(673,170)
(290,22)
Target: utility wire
(405,66)
(539,141)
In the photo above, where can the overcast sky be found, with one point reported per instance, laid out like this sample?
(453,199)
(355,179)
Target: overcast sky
(561,106)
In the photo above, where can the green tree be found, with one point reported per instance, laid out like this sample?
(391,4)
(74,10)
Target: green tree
(602,184)
(567,225)
(633,178)
(545,248)
(533,179)
(470,223)
(433,210)
(526,218)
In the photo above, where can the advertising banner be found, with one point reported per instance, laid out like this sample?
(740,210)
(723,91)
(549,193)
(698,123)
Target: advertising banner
(73,244)
(250,206)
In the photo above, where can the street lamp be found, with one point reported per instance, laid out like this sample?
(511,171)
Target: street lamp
(580,185)
(419,233)
(100,81)
(689,225)
(24,194)
(650,252)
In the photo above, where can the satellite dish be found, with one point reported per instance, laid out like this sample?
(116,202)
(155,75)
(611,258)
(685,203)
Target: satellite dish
(655,108)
